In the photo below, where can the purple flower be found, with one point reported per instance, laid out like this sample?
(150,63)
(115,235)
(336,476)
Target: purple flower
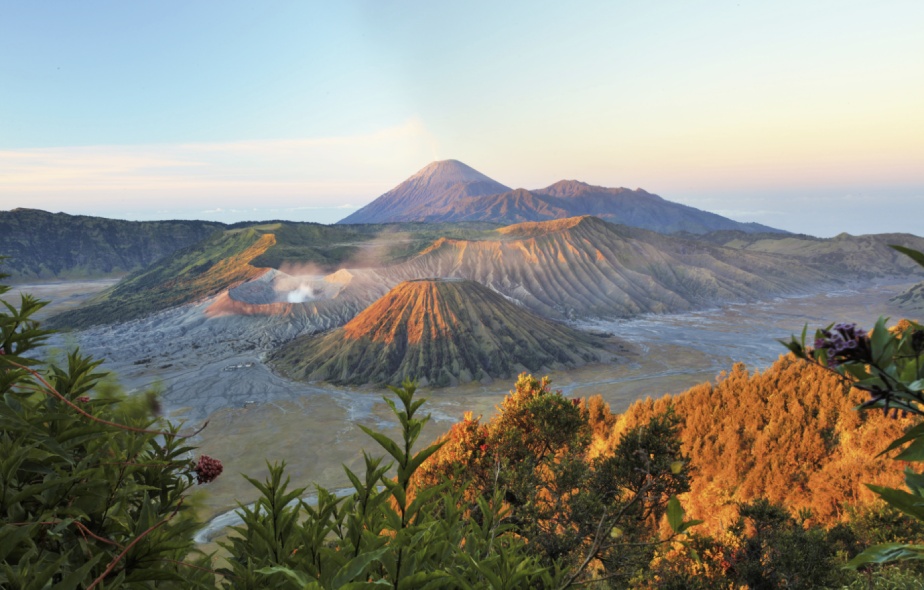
(844,343)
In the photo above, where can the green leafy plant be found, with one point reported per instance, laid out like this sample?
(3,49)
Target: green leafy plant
(94,488)
(889,364)
(387,533)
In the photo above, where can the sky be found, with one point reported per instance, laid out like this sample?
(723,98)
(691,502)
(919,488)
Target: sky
(802,115)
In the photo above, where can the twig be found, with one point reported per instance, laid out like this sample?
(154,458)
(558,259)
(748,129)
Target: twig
(115,561)
(598,538)
(49,389)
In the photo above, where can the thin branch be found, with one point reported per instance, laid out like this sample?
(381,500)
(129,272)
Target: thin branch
(82,527)
(598,538)
(115,561)
(49,389)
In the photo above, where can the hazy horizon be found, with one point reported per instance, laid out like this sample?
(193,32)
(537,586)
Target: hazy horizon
(800,116)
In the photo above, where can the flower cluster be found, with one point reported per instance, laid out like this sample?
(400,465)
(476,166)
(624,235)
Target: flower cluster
(843,343)
(207,469)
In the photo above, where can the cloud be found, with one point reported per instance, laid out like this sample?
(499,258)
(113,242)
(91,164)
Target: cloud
(316,172)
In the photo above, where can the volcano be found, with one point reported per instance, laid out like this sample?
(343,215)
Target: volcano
(436,186)
(449,191)
(440,332)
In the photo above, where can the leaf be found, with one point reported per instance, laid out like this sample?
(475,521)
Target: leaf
(910,504)
(913,452)
(885,553)
(386,443)
(674,514)
(913,254)
(355,566)
(913,433)
(879,340)
(297,577)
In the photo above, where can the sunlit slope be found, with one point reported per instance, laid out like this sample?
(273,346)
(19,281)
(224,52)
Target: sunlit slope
(790,434)
(190,275)
(42,245)
(441,332)
(584,266)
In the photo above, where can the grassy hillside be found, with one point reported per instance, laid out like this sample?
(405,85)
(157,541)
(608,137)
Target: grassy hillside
(42,245)
(191,274)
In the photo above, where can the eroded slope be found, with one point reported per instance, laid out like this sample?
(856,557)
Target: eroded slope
(440,332)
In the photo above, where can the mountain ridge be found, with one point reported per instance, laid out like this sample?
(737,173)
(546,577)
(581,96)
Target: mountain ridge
(450,191)
(45,246)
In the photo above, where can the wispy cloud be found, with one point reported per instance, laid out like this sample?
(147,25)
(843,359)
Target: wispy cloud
(304,174)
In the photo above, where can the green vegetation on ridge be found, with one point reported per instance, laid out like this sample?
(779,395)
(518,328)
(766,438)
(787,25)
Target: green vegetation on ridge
(44,246)
(189,275)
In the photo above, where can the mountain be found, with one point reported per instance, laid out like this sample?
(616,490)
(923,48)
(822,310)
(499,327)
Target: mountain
(440,331)
(435,186)
(912,299)
(322,276)
(450,191)
(570,198)
(866,256)
(241,265)
(42,245)
(583,266)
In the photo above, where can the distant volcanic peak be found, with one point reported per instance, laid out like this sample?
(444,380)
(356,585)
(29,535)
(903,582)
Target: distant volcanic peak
(437,185)
(449,172)
(414,310)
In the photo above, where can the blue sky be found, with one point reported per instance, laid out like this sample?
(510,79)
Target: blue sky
(801,115)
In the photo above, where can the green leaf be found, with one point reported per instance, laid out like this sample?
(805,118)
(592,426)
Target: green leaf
(356,566)
(674,514)
(886,553)
(386,443)
(913,452)
(687,525)
(913,254)
(910,504)
(297,577)
(913,433)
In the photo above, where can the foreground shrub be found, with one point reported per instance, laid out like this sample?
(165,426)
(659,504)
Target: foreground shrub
(384,534)
(94,488)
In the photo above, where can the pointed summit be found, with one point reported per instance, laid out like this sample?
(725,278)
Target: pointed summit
(437,185)
(448,172)
(442,332)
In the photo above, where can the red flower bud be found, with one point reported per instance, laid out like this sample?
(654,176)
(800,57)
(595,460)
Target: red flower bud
(207,469)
